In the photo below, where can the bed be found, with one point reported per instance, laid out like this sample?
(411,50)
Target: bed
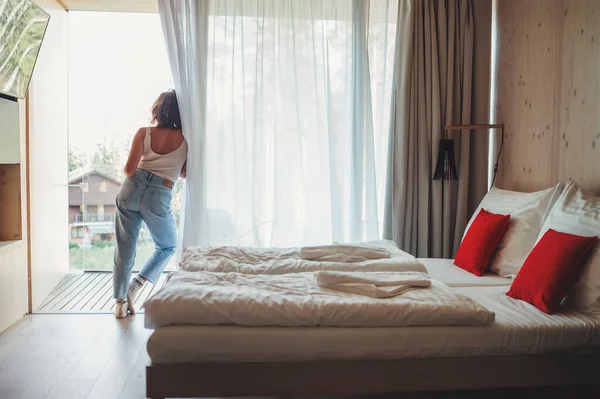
(528,344)
(522,348)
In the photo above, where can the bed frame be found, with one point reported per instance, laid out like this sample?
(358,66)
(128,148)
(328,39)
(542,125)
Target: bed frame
(371,376)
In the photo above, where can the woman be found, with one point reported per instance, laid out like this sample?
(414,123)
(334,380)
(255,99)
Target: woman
(156,160)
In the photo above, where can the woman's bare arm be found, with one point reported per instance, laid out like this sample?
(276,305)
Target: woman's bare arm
(135,153)
(183,173)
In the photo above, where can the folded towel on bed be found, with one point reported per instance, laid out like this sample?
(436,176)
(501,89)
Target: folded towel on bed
(375,285)
(343,253)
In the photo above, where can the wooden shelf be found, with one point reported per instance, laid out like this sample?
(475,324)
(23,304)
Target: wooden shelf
(10,203)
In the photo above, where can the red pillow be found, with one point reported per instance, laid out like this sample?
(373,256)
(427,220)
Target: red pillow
(551,270)
(481,241)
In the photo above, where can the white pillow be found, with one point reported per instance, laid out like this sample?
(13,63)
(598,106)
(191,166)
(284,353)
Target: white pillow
(578,212)
(527,214)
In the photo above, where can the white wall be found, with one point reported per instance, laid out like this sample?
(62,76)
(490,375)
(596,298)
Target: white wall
(9,132)
(48,157)
(13,256)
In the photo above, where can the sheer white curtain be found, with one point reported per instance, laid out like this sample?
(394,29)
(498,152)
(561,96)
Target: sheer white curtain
(185,28)
(298,101)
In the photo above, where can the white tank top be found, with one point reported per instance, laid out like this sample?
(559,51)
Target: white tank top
(167,166)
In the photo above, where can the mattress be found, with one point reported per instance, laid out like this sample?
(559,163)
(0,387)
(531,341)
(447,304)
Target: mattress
(447,272)
(519,329)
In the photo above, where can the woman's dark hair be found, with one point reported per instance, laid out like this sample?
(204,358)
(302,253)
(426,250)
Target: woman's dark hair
(165,111)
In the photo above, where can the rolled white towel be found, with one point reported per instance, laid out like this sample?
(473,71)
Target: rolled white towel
(342,253)
(374,284)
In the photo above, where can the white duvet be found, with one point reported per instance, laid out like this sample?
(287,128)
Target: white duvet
(292,260)
(207,298)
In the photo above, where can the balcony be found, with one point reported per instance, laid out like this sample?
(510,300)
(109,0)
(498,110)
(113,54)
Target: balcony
(86,218)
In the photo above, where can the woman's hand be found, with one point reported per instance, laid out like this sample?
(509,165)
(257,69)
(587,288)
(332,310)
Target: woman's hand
(135,153)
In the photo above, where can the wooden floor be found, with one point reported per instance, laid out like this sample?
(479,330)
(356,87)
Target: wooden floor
(90,292)
(73,356)
(95,356)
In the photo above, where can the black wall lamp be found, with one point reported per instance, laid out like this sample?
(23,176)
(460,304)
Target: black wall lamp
(445,168)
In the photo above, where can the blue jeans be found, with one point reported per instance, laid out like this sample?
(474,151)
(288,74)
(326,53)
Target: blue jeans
(142,197)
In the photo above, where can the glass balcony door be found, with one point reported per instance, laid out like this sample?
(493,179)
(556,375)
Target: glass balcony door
(115,76)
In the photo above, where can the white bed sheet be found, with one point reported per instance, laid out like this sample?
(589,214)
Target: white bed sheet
(447,272)
(519,329)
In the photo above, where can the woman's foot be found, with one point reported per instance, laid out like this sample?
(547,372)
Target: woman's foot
(135,285)
(121,308)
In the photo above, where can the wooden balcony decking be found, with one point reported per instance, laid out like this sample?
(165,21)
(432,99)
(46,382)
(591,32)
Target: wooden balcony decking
(90,292)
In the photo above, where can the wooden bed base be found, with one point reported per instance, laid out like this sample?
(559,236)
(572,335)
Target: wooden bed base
(370,376)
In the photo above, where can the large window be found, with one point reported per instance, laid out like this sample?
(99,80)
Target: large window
(298,119)
(299,101)
(117,67)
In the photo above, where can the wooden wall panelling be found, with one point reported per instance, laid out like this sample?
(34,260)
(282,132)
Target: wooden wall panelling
(548,92)
(578,138)
(10,202)
(525,84)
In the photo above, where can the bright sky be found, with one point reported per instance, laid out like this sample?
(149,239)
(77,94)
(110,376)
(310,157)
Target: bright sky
(117,67)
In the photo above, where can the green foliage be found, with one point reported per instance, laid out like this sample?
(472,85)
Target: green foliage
(73,245)
(96,258)
(76,158)
(107,160)
(177,200)
(102,243)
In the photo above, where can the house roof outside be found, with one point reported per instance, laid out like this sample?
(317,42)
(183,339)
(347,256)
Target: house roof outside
(78,174)
(94,192)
